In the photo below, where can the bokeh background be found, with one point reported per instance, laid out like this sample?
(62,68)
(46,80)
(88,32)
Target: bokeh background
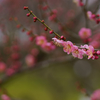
(59,76)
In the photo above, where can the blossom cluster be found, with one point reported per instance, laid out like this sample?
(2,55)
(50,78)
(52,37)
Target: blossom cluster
(95,17)
(76,51)
(86,35)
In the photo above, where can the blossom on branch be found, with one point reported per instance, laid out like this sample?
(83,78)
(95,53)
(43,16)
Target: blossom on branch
(77,51)
(67,47)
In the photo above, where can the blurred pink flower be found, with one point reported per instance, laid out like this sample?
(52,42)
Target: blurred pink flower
(5,97)
(52,17)
(84,33)
(41,40)
(2,66)
(95,43)
(30,60)
(96,95)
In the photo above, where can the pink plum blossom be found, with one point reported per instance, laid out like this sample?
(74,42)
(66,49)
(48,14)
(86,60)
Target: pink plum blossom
(77,52)
(96,95)
(41,40)
(85,46)
(90,51)
(67,46)
(57,41)
(84,33)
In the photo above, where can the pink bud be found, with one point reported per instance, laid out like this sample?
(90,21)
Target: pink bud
(25,7)
(28,14)
(51,31)
(98,52)
(35,18)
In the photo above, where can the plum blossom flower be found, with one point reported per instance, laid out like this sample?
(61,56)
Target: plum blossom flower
(57,41)
(96,95)
(85,46)
(84,33)
(76,52)
(67,47)
(90,51)
(41,40)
